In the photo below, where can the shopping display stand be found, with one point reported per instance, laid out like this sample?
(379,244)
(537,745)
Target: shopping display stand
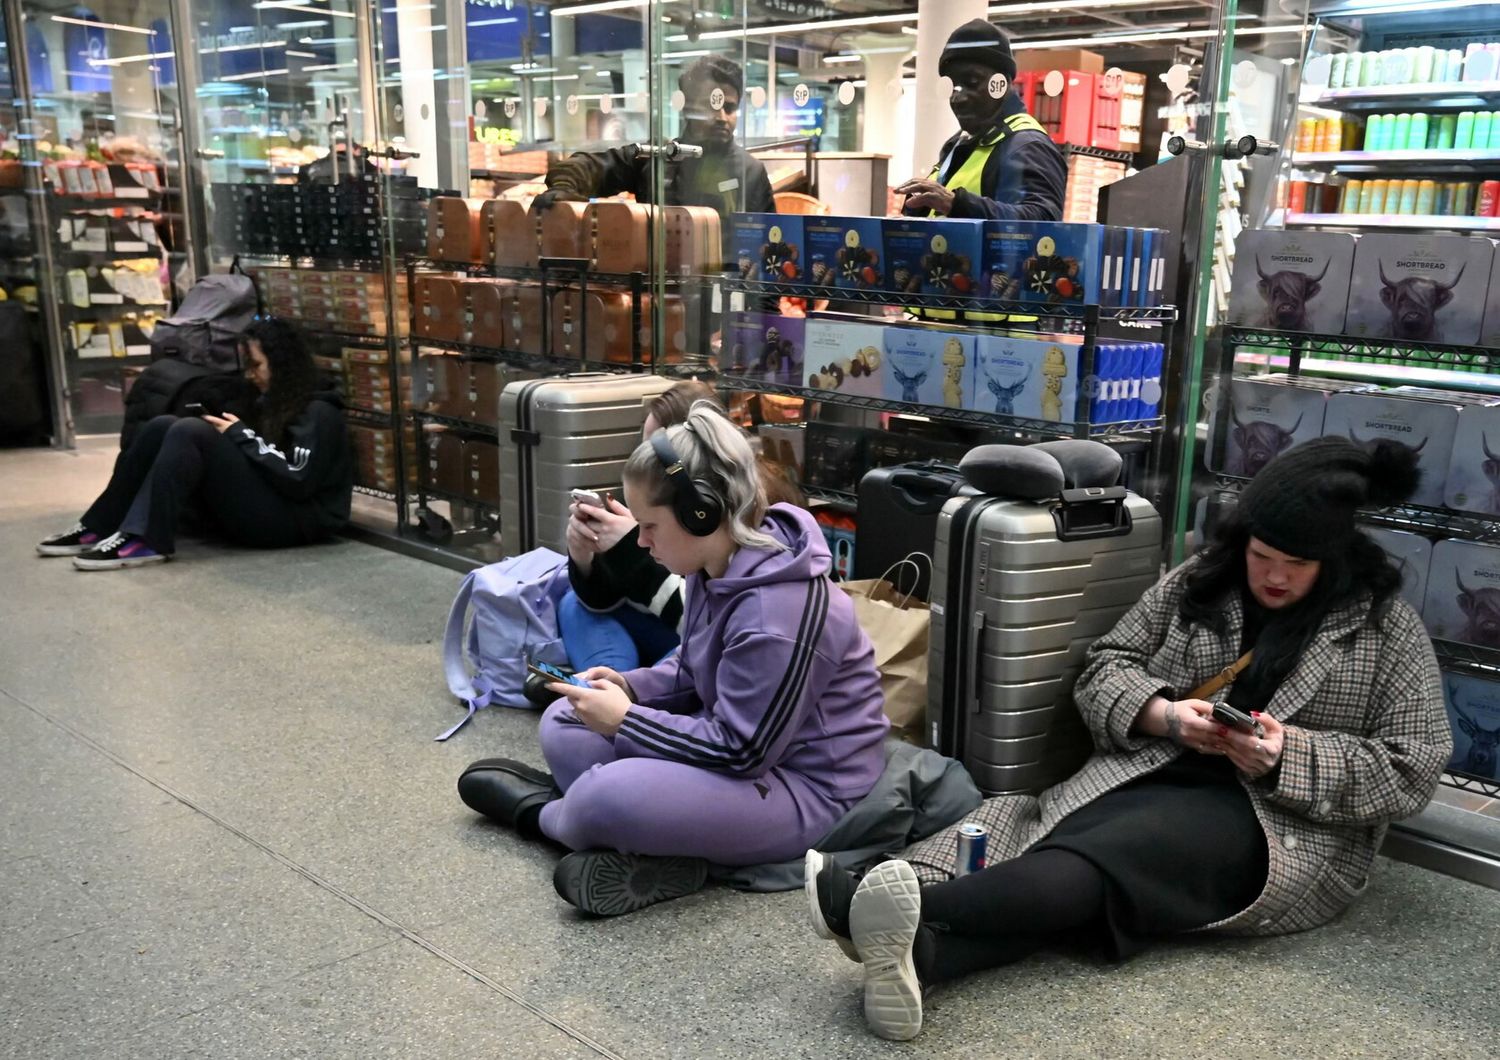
(1081,319)
(470,518)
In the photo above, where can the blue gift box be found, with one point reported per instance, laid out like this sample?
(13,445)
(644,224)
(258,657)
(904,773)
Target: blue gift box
(1027,377)
(936,257)
(766,346)
(769,247)
(928,366)
(845,252)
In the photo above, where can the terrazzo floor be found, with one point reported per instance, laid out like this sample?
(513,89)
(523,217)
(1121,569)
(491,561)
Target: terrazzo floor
(226,831)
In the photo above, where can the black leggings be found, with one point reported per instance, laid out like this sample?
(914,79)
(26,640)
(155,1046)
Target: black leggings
(1006,912)
(174,460)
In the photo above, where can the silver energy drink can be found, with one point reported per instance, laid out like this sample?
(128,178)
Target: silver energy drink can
(973,839)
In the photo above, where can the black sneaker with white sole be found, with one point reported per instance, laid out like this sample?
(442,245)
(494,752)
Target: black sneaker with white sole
(117,552)
(77,538)
(829,891)
(883,921)
(608,883)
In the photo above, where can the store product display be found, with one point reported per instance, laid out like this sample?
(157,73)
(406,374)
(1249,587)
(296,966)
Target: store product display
(1268,415)
(335,300)
(766,346)
(348,221)
(1291,281)
(1456,434)
(1489,331)
(1417,286)
(1473,705)
(375,457)
(1424,65)
(1463,593)
(1412,553)
(1047,262)
(1473,480)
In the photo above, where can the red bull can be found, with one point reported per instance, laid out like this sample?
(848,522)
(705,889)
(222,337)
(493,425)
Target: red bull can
(973,839)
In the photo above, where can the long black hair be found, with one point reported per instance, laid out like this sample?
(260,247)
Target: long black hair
(294,375)
(1345,576)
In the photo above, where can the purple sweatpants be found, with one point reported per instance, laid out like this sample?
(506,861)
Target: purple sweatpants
(650,806)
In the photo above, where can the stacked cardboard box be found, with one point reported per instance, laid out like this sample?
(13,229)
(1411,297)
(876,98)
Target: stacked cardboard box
(334,300)
(375,457)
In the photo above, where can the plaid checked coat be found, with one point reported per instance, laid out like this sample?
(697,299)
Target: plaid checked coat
(1366,741)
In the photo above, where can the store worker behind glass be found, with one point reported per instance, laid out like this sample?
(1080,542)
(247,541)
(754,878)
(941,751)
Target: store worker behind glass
(1180,823)
(725,178)
(1001,165)
(279,477)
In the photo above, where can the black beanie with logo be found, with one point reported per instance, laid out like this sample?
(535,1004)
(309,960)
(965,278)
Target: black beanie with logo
(982,43)
(1303,502)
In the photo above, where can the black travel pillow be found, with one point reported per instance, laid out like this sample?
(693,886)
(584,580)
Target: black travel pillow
(1084,463)
(1022,471)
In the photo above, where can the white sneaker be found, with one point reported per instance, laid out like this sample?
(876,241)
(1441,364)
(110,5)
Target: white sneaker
(883,921)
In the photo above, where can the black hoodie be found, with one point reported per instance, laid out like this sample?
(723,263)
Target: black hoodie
(312,467)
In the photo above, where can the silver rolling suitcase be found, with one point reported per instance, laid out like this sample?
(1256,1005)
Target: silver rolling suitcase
(559,434)
(1020,590)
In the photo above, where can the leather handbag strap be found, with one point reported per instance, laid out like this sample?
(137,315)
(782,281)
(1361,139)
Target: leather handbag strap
(1224,677)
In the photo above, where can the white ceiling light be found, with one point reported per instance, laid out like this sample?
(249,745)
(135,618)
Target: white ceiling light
(1103,39)
(892,19)
(102,25)
(602,5)
(123,59)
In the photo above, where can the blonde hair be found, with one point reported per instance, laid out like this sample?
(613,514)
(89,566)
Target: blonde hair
(718,458)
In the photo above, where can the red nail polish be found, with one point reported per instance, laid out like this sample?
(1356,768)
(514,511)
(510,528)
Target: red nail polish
(1255,713)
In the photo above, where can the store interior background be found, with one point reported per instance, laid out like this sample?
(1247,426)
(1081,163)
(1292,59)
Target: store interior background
(195,100)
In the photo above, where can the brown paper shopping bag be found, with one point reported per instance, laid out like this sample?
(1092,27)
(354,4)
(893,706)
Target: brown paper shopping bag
(897,624)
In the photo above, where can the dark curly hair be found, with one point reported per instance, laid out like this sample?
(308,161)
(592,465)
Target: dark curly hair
(294,375)
(1362,569)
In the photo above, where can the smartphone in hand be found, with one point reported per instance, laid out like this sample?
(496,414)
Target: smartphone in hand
(198,408)
(589,497)
(1235,718)
(548,672)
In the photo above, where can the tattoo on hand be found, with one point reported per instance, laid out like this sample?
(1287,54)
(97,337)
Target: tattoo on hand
(1174,724)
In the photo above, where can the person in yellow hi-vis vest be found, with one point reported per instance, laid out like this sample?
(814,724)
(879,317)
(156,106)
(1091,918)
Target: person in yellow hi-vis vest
(1001,165)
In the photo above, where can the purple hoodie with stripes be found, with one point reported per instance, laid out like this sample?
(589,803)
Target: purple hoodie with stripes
(774,673)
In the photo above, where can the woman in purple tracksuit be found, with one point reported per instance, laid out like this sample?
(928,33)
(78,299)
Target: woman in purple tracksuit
(744,747)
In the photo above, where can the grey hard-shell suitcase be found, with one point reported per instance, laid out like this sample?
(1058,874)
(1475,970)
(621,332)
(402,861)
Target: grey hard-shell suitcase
(1020,590)
(559,434)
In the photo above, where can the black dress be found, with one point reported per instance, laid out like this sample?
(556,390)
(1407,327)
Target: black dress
(1181,847)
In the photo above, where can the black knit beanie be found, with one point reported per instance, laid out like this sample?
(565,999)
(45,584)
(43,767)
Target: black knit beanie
(982,43)
(1303,502)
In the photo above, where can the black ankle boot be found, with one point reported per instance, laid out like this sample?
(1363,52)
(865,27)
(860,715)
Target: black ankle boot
(508,792)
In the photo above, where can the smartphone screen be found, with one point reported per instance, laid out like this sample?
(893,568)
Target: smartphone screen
(552,673)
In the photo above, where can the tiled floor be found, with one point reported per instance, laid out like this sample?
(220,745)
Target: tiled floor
(226,831)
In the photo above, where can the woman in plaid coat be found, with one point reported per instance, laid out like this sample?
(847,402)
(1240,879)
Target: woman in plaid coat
(1177,822)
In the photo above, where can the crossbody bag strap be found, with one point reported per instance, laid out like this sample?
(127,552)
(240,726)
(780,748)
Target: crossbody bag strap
(1224,677)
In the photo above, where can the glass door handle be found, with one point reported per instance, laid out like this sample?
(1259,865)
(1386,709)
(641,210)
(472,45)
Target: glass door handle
(1243,147)
(1246,146)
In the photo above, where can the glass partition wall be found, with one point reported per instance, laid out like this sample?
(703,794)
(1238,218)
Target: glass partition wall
(97,92)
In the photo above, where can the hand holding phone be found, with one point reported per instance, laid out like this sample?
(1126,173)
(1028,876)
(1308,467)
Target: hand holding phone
(1235,718)
(550,673)
(589,497)
(198,408)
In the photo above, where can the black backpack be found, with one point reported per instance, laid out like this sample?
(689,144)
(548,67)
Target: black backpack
(206,328)
(169,385)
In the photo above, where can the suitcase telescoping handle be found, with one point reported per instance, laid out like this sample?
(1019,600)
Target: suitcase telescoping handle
(1094,511)
(924,489)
